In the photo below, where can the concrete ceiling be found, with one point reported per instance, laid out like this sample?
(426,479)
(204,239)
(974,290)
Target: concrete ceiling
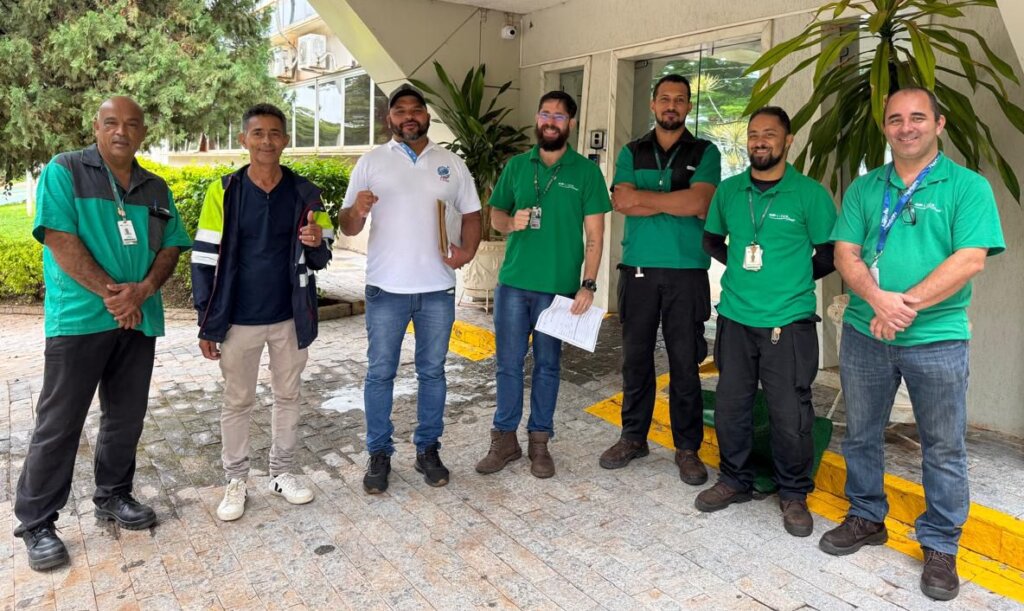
(511,6)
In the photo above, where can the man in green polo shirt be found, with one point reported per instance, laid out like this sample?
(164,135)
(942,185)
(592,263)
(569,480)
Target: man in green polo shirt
(546,200)
(775,218)
(111,237)
(910,237)
(663,185)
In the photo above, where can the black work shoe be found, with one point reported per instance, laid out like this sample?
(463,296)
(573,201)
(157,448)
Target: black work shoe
(126,511)
(377,470)
(429,464)
(854,533)
(720,496)
(939,579)
(45,549)
(624,451)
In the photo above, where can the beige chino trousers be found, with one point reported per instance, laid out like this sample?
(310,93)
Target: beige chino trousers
(240,355)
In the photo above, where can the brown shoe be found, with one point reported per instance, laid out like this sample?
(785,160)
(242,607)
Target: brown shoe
(854,533)
(541,464)
(691,469)
(719,496)
(504,449)
(939,579)
(795,517)
(624,450)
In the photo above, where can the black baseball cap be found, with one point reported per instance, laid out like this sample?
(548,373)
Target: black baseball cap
(405,90)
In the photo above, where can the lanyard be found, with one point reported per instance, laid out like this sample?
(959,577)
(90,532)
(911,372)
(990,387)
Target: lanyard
(757,224)
(661,168)
(536,181)
(889,216)
(117,195)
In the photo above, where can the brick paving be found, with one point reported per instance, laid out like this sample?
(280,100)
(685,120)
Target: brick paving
(585,539)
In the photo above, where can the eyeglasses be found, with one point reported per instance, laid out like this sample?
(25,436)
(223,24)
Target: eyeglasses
(908,215)
(557,117)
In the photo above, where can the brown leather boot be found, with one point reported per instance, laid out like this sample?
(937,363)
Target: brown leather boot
(939,579)
(504,449)
(719,496)
(541,464)
(624,450)
(795,518)
(691,469)
(854,533)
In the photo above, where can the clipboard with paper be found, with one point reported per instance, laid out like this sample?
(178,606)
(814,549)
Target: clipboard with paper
(449,227)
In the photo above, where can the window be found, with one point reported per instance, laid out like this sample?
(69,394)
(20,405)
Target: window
(304,116)
(330,105)
(288,12)
(381,131)
(357,110)
(719,94)
(338,111)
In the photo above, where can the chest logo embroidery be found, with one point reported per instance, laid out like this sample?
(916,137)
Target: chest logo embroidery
(444,173)
(565,185)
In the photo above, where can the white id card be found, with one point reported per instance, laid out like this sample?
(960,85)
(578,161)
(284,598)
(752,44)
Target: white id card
(535,213)
(752,257)
(875,274)
(127,231)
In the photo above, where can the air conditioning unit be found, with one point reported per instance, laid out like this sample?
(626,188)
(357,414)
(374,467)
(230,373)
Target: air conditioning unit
(312,51)
(283,64)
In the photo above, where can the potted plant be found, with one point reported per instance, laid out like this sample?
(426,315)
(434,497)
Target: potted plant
(896,45)
(485,142)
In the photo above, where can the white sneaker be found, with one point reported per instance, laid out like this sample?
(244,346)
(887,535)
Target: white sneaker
(291,488)
(233,505)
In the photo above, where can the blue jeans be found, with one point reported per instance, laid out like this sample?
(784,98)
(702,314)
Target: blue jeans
(936,376)
(387,317)
(515,313)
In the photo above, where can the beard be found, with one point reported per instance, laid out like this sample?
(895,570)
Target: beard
(549,144)
(670,126)
(409,135)
(764,163)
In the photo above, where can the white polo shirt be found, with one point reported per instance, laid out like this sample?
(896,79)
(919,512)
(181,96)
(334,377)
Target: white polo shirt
(402,253)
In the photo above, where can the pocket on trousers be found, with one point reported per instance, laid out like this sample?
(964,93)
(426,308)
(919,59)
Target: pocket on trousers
(372,292)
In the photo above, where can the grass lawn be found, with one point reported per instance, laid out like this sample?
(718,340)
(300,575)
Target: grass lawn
(14,223)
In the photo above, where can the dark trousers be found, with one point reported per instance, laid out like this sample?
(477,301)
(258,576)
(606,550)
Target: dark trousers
(786,370)
(120,363)
(680,300)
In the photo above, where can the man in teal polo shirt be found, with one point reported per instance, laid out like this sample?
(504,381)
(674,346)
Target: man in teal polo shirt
(775,219)
(111,237)
(546,200)
(663,185)
(910,237)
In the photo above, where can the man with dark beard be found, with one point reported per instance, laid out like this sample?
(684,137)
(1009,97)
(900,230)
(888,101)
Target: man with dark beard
(663,185)
(545,199)
(407,278)
(775,218)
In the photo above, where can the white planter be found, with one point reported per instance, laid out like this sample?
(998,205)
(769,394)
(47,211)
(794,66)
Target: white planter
(480,276)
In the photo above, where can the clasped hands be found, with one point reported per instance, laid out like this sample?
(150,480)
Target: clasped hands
(894,312)
(125,302)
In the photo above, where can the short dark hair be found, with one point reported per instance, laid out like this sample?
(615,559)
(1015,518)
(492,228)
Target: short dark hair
(266,110)
(932,100)
(672,78)
(564,98)
(776,112)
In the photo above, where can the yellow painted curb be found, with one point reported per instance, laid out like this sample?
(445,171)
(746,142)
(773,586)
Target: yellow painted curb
(992,544)
(469,341)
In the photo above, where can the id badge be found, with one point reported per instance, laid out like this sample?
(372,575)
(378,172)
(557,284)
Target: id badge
(127,231)
(752,257)
(875,274)
(535,213)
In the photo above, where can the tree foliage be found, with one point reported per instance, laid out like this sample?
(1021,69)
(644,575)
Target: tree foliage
(901,43)
(193,65)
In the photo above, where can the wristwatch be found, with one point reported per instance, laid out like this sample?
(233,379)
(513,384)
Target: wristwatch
(590,284)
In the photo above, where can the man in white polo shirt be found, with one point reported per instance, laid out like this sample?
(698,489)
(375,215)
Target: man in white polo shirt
(407,277)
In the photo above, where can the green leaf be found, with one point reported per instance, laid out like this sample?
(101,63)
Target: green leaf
(924,57)
(879,79)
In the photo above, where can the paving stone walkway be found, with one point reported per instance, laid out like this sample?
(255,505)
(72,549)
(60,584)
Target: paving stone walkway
(586,539)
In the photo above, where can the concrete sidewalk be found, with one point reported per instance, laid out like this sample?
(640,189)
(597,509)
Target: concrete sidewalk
(587,538)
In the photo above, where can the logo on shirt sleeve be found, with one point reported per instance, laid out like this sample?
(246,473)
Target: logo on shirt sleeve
(444,173)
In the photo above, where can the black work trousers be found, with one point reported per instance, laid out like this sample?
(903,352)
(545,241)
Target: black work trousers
(120,364)
(745,355)
(680,300)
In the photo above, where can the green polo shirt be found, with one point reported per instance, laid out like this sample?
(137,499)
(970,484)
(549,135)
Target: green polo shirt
(954,209)
(549,259)
(798,213)
(74,196)
(665,240)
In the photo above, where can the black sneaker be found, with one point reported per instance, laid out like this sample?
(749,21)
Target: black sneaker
(429,464)
(377,469)
(126,511)
(45,549)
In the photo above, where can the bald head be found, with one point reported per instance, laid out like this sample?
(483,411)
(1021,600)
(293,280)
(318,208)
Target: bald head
(119,128)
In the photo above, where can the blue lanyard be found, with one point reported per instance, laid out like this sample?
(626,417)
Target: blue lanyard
(889,217)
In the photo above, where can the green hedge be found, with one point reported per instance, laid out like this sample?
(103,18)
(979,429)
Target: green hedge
(21,262)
